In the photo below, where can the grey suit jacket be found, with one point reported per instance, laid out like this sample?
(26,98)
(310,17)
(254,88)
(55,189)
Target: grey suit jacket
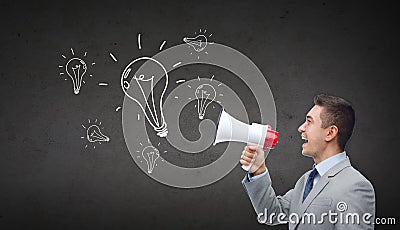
(335,201)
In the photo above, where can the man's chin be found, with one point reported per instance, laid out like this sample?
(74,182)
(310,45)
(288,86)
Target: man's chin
(305,153)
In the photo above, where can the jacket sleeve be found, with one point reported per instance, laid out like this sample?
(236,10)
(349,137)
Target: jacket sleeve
(266,204)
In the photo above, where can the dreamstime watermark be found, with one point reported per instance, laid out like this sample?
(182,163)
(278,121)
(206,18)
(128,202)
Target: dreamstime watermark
(332,217)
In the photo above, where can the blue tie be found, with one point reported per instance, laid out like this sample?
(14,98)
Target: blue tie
(310,183)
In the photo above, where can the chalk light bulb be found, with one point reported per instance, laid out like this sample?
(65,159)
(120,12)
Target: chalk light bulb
(198,43)
(150,154)
(141,87)
(76,69)
(93,134)
(205,94)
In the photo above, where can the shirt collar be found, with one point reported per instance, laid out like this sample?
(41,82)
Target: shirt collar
(327,164)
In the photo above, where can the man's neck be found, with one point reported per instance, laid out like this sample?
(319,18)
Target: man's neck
(329,152)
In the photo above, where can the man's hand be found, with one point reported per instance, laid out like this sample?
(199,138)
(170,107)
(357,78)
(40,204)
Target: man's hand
(248,154)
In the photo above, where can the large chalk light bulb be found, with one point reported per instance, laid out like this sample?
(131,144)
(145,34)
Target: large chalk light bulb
(76,69)
(198,43)
(141,90)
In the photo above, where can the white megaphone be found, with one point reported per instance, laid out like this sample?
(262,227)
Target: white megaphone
(231,129)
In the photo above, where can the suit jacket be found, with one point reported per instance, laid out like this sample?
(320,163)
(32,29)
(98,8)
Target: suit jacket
(342,190)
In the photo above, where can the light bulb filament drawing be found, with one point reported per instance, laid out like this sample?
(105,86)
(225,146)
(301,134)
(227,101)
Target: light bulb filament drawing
(205,94)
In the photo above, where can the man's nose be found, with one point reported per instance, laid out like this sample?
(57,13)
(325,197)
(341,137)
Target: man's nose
(301,128)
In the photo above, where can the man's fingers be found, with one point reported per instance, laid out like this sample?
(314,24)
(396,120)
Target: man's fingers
(243,162)
(248,154)
(251,148)
(248,159)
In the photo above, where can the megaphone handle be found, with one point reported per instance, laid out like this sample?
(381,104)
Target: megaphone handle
(247,167)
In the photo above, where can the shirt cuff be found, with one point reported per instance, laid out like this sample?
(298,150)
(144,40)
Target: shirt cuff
(251,177)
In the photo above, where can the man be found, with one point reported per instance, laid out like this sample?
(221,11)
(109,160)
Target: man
(333,195)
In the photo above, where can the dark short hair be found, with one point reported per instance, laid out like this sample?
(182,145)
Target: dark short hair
(339,112)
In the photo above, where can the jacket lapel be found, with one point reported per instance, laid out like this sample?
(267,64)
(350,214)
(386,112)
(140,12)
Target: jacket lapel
(320,185)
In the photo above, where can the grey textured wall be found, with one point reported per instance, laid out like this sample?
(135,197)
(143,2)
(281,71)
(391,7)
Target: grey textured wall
(50,181)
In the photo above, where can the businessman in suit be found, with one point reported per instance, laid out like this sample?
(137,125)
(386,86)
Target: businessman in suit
(333,195)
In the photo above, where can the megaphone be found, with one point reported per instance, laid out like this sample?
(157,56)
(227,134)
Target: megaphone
(231,129)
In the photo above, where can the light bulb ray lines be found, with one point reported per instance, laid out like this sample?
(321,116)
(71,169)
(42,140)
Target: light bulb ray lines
(176,64)
(113,57)
(147,104)
(139,42)
(162,45)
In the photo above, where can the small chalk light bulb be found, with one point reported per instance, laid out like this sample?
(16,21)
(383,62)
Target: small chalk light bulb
(205,94)
(198,43)
(93,134)
(150,154)
(76,69)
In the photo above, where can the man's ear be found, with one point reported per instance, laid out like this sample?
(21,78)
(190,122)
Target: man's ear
(332,132)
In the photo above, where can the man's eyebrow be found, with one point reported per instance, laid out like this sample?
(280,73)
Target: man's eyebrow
(309,117)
